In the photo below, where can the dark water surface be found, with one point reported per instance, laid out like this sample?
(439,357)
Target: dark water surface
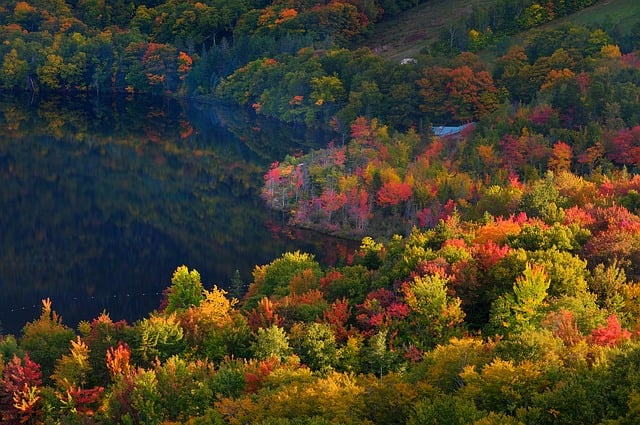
(101,199)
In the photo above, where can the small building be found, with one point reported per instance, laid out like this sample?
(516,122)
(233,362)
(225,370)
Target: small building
(444,131)
(407,61)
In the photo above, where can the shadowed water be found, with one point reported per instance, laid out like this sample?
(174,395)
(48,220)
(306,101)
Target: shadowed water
(103,198)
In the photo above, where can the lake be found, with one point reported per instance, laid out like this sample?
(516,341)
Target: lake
(102,198)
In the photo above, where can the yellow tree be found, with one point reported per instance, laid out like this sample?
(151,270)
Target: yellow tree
(49,72)
(71,369)
(212,315)
(13,71)
(70,376)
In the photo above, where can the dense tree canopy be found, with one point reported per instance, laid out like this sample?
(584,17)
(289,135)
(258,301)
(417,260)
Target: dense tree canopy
(289,60)
(497,277)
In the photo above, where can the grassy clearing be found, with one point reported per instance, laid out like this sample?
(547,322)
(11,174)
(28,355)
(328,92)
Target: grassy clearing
(415,29)
(408,33)
(622,13)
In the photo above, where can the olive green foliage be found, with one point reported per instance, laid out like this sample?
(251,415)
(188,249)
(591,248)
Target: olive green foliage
(229,379)
(544,200)
(535,346)
(353,283)
(607,283)
(377,358)
(566,271)
(445,409)
(71,369)
(272,341)
(316,345)
(274,279)
(146,398)
(436,314)
(159,336)
(441,367)
(382,406)
(46,338)
(185,388)
(9,347)
(506,384)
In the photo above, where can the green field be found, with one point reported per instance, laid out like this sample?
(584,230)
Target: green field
(624,13)
(410,32)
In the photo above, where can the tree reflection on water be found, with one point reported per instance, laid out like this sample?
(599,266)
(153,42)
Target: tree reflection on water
(103,198)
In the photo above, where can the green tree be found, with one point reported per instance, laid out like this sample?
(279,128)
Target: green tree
(494,418)
(49,73)
(271,342)
(327,93)
(532,345)
(146,398)
(503,386)
(521,309)
(46,339)
(390,399)
(377,357)
(236,286)
(317,347)
(608,282)
(434,315)
(101,58)
(229,379)
(159,336)
(132,68)
(544,200)
(9,347)
(442,366)
(186,290)
(566,271)
(445,409)
(71,369)
(509,73)
(327,89)
(274,279)
(13,71)
(184,387)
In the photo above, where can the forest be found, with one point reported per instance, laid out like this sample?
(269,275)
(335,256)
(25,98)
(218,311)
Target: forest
(496,281)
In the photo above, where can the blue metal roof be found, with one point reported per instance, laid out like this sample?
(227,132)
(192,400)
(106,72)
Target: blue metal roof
(442,131)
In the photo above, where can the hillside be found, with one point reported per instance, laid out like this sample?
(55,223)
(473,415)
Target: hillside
(408,33)
(497,280)
(414,30)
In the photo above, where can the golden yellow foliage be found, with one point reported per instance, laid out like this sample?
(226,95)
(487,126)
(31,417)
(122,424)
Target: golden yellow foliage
(71,369)
(555,76)
(610,51)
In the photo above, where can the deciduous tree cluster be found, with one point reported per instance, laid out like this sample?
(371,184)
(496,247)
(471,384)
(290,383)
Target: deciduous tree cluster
(514,319)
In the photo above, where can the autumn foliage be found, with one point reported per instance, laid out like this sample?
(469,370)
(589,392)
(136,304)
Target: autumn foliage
(496,280)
